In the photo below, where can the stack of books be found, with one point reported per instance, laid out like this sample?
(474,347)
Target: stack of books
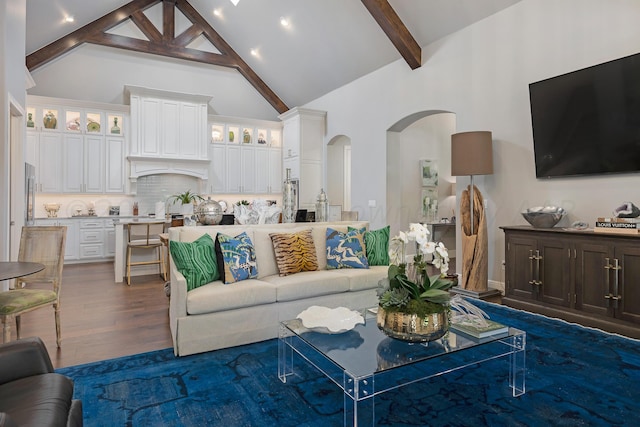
(618,225)
(474,329)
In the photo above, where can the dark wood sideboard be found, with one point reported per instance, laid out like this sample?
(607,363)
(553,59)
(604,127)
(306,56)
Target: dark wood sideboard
(581,276)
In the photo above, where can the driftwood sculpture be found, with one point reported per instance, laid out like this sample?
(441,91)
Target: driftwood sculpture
(475,256)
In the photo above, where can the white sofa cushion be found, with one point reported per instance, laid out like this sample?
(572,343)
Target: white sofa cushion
(216,296)
(307,284)
(363,278)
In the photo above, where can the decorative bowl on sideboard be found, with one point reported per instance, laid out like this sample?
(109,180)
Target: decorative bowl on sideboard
(543,217)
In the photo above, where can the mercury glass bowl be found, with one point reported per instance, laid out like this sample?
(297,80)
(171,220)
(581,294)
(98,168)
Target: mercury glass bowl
(209,212)
(543,217)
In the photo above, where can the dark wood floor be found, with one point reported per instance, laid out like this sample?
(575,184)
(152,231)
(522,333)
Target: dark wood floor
(102,319)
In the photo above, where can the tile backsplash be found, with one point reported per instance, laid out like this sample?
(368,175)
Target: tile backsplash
(150,189)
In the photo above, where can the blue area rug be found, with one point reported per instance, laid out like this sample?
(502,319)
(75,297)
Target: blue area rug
(575,377)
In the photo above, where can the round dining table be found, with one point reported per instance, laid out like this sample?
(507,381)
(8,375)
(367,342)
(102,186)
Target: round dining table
(13,269)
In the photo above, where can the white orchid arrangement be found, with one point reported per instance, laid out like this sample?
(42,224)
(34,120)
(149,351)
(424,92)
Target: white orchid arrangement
(409,288)
(424,246)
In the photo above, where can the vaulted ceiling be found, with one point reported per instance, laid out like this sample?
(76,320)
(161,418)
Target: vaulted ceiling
(328,43)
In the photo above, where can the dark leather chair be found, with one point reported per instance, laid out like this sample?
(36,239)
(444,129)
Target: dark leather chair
(31,394)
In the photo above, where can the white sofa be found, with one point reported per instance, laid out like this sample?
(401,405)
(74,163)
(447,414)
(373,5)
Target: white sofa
(216,315)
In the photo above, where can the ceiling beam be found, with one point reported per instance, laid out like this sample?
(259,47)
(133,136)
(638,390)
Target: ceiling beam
(185,7)
(160,42)
(395,29)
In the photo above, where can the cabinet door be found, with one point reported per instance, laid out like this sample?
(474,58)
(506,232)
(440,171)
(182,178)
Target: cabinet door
(170,129)
(72,176)
(109,239)
(72,244)
(94,164)
(291,137)
(50,164)
(275,170)
(248,167)
(592,278)
(555,271)
(626,282)
(262,170)
(234,171)
(32,149)
(190,134)
(150,121)
(520,267)
(217,168)
(114,156)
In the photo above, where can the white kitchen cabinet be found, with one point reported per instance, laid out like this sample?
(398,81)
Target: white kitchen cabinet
(50,163)
(303,133)
(217,168)
(268,170)
(70,152)
(248,169)
(84,165)
(234,169)
(275,170)
(109,238)
(115,153)
(91,239)
(72,243)
(168,125)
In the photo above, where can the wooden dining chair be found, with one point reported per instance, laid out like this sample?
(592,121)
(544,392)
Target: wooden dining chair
(44,245)
(145,236)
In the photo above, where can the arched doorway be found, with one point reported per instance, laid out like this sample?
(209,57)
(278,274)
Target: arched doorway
(339,172)
(419,139)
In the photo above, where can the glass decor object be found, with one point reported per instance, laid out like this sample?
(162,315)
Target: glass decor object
(233,134)
(50,119)
(115,129)
(217,133)
(30,123)
(322,207)
(246,135)
(288,199)
(262,136)
(93,122)
(72,121)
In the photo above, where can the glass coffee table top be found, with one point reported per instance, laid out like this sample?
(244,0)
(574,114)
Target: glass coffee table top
(365,362)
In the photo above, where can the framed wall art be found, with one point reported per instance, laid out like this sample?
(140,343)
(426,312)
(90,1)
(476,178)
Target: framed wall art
(430,203)
(429,173)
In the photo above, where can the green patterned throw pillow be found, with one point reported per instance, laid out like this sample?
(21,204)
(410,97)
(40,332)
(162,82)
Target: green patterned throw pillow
(196,261)
(377,245)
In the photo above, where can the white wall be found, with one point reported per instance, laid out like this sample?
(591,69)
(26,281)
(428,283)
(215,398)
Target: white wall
(12,101)
(99,73)
(481,74)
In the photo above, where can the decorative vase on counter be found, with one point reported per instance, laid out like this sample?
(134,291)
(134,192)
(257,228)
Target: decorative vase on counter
(288,199)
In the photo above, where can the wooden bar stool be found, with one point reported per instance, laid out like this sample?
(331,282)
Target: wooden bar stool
(145,236)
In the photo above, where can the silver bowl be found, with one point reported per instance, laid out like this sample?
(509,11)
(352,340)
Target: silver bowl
(543,219)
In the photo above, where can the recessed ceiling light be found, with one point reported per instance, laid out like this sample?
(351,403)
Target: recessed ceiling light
(217,12)
(69,18)
(235,2)
(254,52)
(284,21)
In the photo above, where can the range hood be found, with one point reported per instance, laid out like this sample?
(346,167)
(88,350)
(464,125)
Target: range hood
(144,166)
(168,133)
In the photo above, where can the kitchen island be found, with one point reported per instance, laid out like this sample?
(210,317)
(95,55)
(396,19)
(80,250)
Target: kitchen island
(119,261)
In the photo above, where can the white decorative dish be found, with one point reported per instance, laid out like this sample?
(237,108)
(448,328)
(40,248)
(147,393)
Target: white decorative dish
(330,320)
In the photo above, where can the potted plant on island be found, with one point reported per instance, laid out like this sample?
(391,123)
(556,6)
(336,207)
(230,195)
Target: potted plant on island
(188,200)
(413,306)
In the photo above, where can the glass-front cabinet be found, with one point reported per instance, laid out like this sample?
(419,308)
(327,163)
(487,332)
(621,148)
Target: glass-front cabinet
(76,146)
(245,156)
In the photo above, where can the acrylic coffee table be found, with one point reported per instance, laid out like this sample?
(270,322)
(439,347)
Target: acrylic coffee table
(364,362)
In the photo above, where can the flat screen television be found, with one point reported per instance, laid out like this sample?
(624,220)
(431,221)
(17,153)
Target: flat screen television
(587,122)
